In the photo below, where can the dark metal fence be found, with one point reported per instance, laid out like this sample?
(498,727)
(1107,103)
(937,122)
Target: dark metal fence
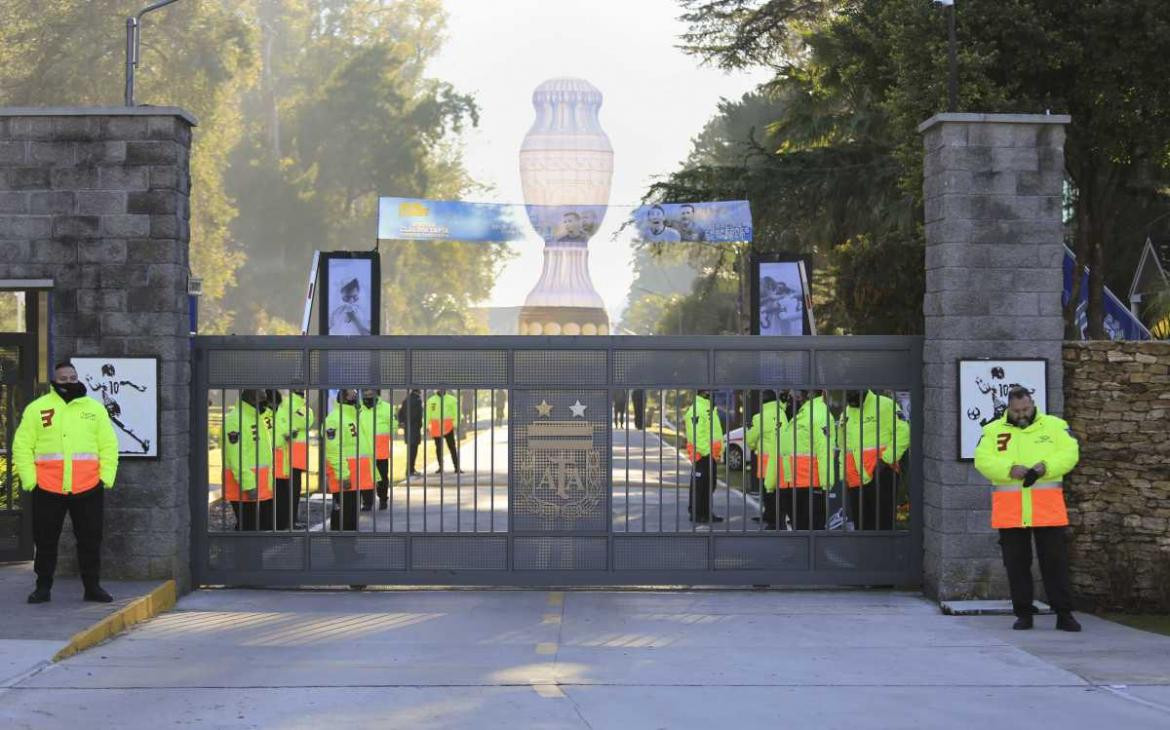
(573,460)
(17,353)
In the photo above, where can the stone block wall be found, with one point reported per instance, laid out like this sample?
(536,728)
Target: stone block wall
(97,201)
(1117,403)
(992,188)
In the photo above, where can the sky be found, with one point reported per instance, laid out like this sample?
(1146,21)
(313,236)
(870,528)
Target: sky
(657,98)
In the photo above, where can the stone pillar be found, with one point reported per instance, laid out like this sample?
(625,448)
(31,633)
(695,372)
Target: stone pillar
(96,199)
(993,186)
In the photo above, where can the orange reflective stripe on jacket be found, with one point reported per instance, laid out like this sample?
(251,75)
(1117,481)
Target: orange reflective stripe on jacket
(300,455)
(233,493)
(448,425)
(282,472)
(806,472)
(869,462)
(382,446)
(361,476)
(51,472)
(1041,505)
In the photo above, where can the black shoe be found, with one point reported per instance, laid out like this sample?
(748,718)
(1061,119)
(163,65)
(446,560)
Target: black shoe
(40,595)
(367,507)
(458,470)
(383,503)
(716,518)
(1023,623)
(1066,622)
(97,594)
(439,470)
(414,473)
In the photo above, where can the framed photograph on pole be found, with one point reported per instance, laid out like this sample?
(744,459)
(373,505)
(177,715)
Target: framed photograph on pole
(128,388)
(984,385)
(351,293)
(780,296)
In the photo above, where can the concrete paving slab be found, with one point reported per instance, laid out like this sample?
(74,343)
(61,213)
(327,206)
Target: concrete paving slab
(18,657)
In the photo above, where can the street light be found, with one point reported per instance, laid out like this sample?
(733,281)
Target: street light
(133,43)
(952,53)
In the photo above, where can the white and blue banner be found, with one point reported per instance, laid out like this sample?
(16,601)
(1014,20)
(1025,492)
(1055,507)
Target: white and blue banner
(1120,323)
(720,222)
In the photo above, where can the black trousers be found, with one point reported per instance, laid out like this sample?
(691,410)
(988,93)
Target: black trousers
(703,478)
(283,500)
(252,516)
(450,438)
(639,398)
(85,512)
(1052,552)
(344,516)
(872,504)
(771,504)
(383,466)
(412,451)
(804,508)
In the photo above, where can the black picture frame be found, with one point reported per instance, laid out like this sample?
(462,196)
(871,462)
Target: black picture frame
(79,363)
(961,407)
(756,260)
(324,287)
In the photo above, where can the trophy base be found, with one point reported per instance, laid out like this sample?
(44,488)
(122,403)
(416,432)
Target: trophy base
(563,321)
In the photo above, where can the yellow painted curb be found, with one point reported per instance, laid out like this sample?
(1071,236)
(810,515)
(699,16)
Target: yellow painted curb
(152,604)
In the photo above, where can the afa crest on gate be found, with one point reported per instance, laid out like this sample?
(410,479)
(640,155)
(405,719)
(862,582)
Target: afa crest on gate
(560,471)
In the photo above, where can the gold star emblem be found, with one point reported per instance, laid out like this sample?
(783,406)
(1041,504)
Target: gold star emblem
(544,409)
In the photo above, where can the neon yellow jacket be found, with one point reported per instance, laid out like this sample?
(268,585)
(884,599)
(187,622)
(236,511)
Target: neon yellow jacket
(1003,446)
(875,430)
(441,423)
(764,438)
(294,418)
(349,442)
(381,419)
(64,447)
(246,441)
(704,430)
(807,443)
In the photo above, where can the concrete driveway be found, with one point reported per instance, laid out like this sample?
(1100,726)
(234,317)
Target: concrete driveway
(539,659)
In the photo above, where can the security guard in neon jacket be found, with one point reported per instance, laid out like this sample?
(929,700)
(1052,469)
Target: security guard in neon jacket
(704,448)
(442,418)
(349,459)
(379,416)
(66,453)
(807,445)
(763,438)
(294,418)
(873,434)
(246,445)
(1025,454)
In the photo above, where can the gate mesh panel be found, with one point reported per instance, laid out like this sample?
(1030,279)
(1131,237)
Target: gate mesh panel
(357,552)
(870,553)
(9,364)
(781,368)
(9,531)
(557,367)
(659,367)
(560,463)
(481,368)
(459,553)
(226,368)
(357,367)
(863,368)
(255,552)
(560,553)
(660,553)
(761,553)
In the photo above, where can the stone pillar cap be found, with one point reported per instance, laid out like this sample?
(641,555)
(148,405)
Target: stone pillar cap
(994,119)
(99,111)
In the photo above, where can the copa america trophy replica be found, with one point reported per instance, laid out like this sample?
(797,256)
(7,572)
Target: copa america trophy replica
(566,164)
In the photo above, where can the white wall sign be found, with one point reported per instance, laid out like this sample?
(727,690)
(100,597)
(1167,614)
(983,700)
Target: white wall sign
(983,394)
(128,387)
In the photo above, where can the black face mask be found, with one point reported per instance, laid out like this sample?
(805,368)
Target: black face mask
(69,391)
(369,402)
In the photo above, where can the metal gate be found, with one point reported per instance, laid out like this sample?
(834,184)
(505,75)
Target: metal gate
(557,486)
(17,371)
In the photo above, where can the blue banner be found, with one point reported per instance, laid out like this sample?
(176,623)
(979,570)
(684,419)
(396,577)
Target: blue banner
(417,219)
(720,222)
(1120,324)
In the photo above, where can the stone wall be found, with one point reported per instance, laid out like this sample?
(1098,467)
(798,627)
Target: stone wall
(993,186)
(1117,403)
(97,201)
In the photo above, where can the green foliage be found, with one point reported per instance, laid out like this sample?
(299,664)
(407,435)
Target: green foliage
(829,155)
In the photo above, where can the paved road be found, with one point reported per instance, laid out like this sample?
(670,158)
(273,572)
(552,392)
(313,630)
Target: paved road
(537,659)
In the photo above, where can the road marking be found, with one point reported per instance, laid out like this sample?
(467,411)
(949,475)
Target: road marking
(546,647)
(549,691)
(556,598)
(551,618)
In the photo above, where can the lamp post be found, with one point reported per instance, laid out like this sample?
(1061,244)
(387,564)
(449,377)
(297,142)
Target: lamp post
(133,43)
(953,58)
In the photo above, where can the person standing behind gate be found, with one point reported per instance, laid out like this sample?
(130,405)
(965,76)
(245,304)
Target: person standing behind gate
(807,444)
(66,453)
(349,459)
(763,438)
(294,418)
(379,416)
(1025,454)
(410,419)
(873,435)
(704,440)
(620,405)
(442,418)
(247,459)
